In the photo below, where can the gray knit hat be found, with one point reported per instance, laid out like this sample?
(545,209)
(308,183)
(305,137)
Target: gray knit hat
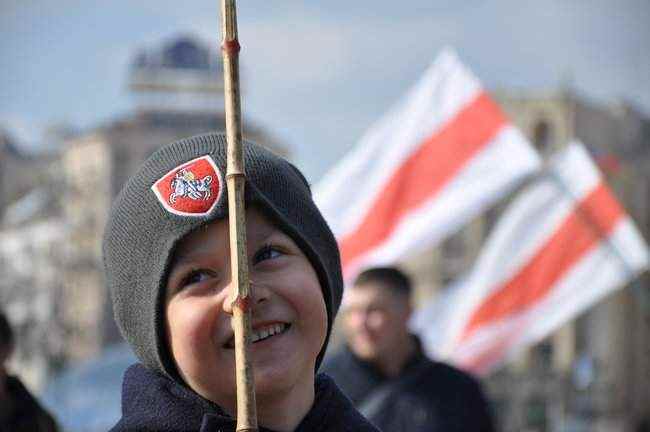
(180,188)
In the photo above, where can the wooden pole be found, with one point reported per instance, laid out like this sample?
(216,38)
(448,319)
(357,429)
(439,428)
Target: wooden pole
(235,178)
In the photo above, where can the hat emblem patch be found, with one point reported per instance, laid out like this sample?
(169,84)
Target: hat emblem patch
(191,189)
(185,185)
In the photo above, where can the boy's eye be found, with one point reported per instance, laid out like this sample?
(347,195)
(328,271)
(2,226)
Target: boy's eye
(267,252)
(196,276)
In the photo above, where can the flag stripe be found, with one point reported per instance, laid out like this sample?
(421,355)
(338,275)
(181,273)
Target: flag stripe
(597,274)
(446,87)
(449,149)
(593,219)
(483,179)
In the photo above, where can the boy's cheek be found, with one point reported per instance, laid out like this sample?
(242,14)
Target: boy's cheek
(193,323)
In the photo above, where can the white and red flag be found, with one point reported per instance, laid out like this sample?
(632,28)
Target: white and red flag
(560,247)
(431,164)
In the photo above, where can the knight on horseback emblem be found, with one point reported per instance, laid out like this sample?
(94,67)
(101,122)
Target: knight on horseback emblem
(184,184)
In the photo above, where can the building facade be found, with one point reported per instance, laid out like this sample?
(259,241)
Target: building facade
(31,234)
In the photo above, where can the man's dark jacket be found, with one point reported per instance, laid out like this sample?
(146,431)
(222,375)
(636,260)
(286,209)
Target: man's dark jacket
(427,396)
(152,402)
(25,414)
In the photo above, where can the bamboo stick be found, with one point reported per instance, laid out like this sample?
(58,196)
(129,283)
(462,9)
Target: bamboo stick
(235,178)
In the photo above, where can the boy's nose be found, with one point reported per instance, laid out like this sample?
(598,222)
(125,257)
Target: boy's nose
(258,294)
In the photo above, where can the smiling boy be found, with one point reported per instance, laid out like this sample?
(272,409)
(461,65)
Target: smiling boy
(167,261)
(289,319)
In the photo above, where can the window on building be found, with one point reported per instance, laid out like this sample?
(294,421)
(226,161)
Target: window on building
(542,356)
(536,415)
(542,136)
(492,216)
(454,250)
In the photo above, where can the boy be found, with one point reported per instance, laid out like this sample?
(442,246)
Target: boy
(167,261)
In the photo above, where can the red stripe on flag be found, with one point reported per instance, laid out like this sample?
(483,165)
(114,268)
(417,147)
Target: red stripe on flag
(434,163)
(593,219)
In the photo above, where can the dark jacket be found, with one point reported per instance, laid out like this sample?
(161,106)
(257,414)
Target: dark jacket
(427,396)
(153,402)
(24,413)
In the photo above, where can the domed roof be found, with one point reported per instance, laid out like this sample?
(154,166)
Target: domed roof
(182,52)
(183,64)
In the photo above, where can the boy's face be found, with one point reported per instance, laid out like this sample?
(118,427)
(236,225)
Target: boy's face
(288,311)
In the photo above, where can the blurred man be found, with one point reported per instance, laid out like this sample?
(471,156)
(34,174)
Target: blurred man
(19,411)
(383,371)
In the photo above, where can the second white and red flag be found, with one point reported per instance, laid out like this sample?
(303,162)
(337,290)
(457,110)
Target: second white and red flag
(561,246)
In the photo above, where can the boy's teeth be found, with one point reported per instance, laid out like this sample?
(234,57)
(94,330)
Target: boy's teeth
(261,334)
(265,332)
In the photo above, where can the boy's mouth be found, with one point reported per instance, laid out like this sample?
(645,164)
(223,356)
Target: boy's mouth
(261,333)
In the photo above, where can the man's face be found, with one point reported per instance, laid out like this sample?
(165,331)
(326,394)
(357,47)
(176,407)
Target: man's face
(375,320)
(289,319)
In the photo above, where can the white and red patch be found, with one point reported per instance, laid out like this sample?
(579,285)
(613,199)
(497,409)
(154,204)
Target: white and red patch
(190,189)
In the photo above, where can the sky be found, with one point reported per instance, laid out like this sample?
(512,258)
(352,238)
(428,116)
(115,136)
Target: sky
(316,75)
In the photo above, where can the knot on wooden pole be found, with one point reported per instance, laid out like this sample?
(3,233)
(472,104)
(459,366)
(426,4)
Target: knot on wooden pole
(231,47)
(242,303)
